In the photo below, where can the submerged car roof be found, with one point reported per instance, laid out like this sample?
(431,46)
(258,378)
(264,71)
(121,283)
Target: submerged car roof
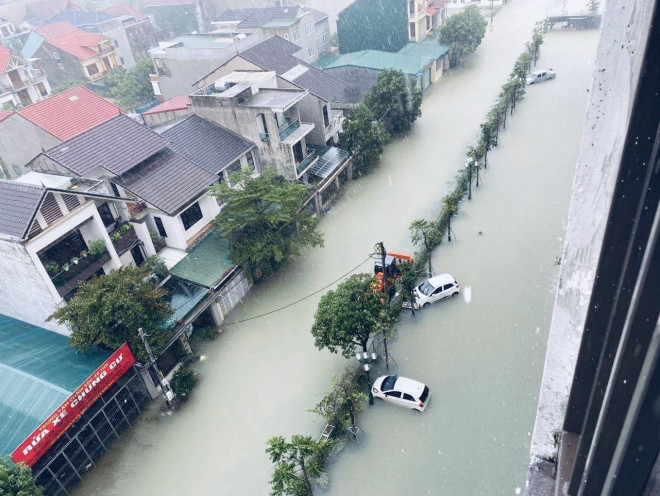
(441,279)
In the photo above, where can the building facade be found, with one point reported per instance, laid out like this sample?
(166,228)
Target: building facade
(21,82)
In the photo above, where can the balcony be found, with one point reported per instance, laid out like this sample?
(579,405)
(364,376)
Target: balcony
(295,132)
(335,124)
(124,238)
(81,270)
(286,129)
(307,162)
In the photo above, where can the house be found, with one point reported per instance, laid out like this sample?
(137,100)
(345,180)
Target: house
(7,28)
(422,63)
(21,82)
(183,60)
(131,31)
(303,26)
(26,133)
(68,53)
(176,17)
(424,17)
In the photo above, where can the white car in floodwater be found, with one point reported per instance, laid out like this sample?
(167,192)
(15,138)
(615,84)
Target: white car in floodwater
(435,289)
(538,76)
(401,391)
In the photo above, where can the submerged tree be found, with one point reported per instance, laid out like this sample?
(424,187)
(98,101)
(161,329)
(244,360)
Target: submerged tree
(407,283)
(364,137)
(463,33)
(264,221)
(108,310)
(393,102)
(348,316)
(449,209)
(17,480)
(426,233)
(342,406)
(297,464)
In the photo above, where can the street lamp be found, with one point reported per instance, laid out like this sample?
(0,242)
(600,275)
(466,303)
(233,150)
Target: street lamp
(468,166)
(366,360)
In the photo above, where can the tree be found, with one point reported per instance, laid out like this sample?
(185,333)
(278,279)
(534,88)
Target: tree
(364,137)
(393,102)
(347,316)
(108,310)
(488,138)
(408,282)
(297,463)
(264,222)
(342,406)
(450,208)
(17,480)
(65,85)
(593,6)
(131,88)
(183,382)
(425,232)
(463,33)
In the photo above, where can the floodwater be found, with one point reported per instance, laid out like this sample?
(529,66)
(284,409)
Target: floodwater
(482,358)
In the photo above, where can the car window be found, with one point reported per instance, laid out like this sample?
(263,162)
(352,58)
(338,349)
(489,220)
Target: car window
(425,288)
(388,383)
(447,286)
(425,394)
(437,290)
(408,397)
(393,394)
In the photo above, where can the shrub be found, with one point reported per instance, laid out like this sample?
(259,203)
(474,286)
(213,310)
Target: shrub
(183,382)
(97,247)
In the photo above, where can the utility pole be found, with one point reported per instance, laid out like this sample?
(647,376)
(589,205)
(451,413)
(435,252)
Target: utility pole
(477,174)
(164,385)
(386,288)
(469,179)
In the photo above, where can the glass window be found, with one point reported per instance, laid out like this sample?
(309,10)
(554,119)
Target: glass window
(250,161)
(106,214)
(56,55)
(425,288)
(393,394)
(425,394)
(408,397)
(17,169)
(61,66)
(308,29)
(388,383)
(160,227)
(310,51)
(296,34)
(191,216)
(286,36)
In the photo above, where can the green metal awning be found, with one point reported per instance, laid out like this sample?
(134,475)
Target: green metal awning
(207,263)
(38,371)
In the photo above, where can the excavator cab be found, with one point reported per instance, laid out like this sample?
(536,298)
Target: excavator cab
(392,263)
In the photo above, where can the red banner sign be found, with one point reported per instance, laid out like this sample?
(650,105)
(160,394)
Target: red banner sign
(37,443)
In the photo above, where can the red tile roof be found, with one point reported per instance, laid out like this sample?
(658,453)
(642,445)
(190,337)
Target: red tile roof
(4,114)
(124,9)
(78,43)
(56,29)
(70,113)
(431,11)
(176,103)
(5,56)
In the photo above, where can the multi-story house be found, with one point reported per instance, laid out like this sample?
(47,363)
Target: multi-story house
(7,28)
(21,82)
(68,53)
(424,17)
(131,31)
(303,26)
(24,134)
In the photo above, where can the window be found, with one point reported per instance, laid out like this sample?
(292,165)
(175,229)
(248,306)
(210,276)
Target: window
(310,52)
(412,29)
(286,36)
(191,215)
(121,60)
(308,29)
(393,394)
(106,215)
(92,69)
(250,161)
(17,169)
(61,66)
(295,34)
(161,67)
(161,228)
(408,397)
(56,55)
(326,38)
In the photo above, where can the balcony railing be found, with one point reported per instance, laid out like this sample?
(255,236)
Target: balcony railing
(306,162)
(288,129)
(335,122)
(264,137)
(68,280)
(123,241)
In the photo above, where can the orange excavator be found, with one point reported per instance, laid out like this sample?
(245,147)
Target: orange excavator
(392,270)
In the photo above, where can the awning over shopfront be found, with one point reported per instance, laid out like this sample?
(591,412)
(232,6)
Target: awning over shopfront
(207,263)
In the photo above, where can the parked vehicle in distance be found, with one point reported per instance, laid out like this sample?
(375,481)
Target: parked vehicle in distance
(436,288)
(402,391)
(538,76)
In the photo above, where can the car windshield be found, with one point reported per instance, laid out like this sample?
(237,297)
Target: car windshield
(388,383)
(425,288)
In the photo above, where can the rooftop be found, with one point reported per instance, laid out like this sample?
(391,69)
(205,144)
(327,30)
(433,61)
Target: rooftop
(38,372)
(431,50)
(168,181)
(207,263)
(78,43)
(377,60)
(55,29)
(5,57)
(254,18)
(199,41)
(276,54)
(19,203)
(124,9)
(176,103)
(208,145)
(4,114)
(117,145)
(79,17)
(70,113)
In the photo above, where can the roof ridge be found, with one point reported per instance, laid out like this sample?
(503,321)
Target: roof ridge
(79,135)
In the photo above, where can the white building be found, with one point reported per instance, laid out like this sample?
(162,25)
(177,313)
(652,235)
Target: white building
(21,82)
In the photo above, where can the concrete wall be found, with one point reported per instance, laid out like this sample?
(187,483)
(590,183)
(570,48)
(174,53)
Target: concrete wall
(311,110)
(71,69)
(23,293)
(122,45)
(617,70)
(20,142)
(188,65)
(221,70)
(141,38)
(153,120)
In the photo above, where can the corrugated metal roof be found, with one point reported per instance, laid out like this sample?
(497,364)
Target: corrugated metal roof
(38,371)
(176,103)
(19,203)
(117,145)
(377,60)
(207,144)
(276,54)
(207,263)
(168,181)
(431,50)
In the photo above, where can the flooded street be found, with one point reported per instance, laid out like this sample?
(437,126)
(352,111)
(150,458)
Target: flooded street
(482,360)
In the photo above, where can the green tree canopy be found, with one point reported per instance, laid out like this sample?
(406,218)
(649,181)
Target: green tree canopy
(348,316)
(297,463)
(108,310)
(393,102)
(264,221)
(364,137)
(342,406)
(131,88)
(65,85)
(17,480)
(463,33)
(425,233)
